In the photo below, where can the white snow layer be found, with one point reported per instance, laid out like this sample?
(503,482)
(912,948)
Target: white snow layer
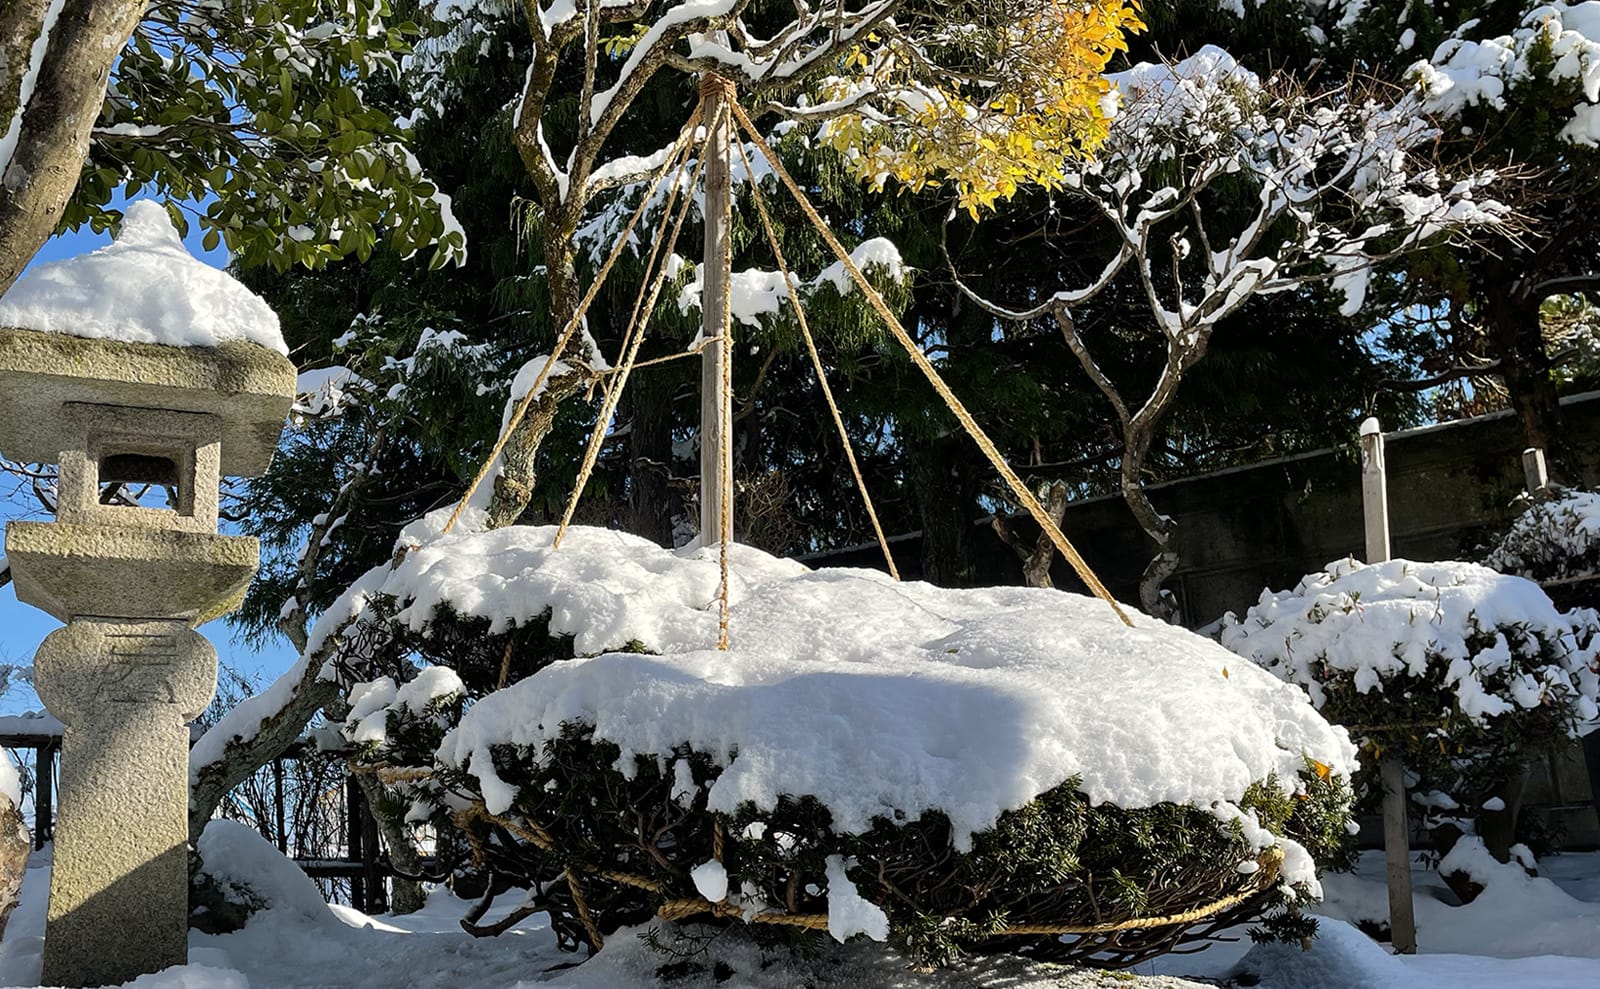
(1557,42)
(1384,621)
(1552,539)
(242,722)
(849,913)
(248,867)
(144,287)
(875,697)
(10,782)
(325,391)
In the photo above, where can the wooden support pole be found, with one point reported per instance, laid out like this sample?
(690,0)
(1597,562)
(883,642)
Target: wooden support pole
(44,811)
(277,805)
(716,406)
(1396,820)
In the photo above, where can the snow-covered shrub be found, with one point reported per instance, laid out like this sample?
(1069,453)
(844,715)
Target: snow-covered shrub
(923,765)
(1554,537)
(1467,672)
(238,873)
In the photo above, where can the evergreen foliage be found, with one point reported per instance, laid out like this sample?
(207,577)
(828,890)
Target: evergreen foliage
(1467,676)
(270,116)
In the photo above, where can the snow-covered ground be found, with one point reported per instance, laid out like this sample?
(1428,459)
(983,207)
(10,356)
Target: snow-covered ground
(1521,934)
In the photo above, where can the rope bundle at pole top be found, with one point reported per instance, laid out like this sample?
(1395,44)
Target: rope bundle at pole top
(719,96)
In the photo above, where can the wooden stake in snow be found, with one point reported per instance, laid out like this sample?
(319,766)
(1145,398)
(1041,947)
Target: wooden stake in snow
(1533,469)
(1396,823)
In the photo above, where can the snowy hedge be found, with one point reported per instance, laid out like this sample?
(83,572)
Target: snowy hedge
(1468,672)
(1553,538)
(870,757)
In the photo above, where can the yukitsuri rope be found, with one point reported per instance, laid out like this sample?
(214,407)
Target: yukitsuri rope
(682,909)
(682,148)
(582,906)
(1270,862)
(1028,499)
(816,360)
(643,307)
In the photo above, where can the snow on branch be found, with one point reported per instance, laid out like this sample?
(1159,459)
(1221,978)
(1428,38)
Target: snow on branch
(1219,186)
(1336,180)
(1556,44)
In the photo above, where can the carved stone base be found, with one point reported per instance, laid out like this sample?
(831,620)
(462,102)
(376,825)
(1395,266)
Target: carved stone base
(119,889)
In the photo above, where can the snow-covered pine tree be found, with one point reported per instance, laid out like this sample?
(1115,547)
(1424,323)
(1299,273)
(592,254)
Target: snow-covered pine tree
(1469,674)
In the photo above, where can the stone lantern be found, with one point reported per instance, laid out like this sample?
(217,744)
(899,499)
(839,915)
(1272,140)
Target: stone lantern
(128,672)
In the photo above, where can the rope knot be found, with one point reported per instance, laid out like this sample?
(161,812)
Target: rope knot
(712,84)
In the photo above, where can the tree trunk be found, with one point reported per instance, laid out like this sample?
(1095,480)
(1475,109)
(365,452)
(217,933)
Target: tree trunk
(278,730)
(514,486)
(1038,558)
(1516,338)
(53,139)
(389,812)
(19,27)
(947,499)
(651,505)
(1158,527)
(15,846)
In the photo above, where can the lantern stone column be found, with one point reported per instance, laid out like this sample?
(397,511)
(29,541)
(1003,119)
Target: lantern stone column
(128,672)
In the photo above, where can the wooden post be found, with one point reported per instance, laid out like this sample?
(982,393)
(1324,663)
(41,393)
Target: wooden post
(1533,469)
(1374,491)
(277,805)
(716,407)
(44,812)
(353,835)
(1396,820)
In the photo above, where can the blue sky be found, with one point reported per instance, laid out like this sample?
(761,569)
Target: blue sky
(22,627)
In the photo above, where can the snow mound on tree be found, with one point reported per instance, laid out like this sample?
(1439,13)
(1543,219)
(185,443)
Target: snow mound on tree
(1557,42)
(1385,621)
(144,287)
(1552,539)
(879,699)
(250,869)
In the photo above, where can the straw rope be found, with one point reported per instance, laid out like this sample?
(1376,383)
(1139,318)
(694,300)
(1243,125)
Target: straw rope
(643,307)
(681,908)
(596,939)
(1027,497)
(683,144)
(760,201)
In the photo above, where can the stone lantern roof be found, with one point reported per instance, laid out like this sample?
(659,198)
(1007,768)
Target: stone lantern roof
(247,387)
